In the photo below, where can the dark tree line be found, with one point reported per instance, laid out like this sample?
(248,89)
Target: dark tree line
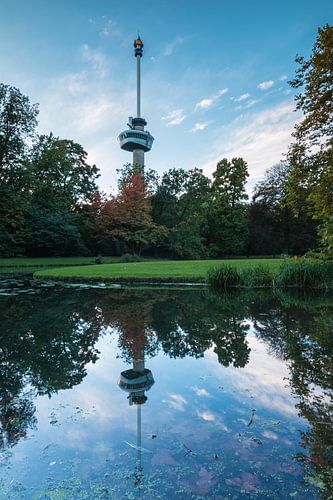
(50,204)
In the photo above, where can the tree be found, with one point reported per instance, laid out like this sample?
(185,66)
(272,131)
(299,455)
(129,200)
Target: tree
(273,227)
(59,173)
(127,216)
(60,181)
(150,176)
(311,155)
(229,181)
(180,203)
(227,224)
(18,120)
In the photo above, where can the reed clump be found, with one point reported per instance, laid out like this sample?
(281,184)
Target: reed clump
(223,277)
(300,274)
(305,273)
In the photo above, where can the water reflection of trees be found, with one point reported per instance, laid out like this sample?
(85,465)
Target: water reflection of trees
(180,323)
(45,345)
(299,330)
(47,340)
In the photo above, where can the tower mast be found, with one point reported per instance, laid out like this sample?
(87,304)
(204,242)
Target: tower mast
(136,139)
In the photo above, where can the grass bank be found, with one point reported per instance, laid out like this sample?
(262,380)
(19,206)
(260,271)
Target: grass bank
(35,262)
(163,271)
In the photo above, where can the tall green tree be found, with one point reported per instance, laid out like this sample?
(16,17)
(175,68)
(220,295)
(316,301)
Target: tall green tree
(59,173)
(180,203)
(60,182)
(311,154)
(18,121)
(227,225)
(230,180)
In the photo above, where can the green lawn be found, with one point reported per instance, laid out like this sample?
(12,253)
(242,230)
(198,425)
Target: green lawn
(51,261)
(164,270)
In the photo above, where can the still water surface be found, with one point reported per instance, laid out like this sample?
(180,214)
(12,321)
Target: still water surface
(230,397)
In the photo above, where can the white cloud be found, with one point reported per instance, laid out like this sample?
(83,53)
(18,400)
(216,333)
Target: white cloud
(283,78)
(222,92)
(260,138)
(204,104)
(242,97)
(88,109)
(248,104)
(97,60)
(209,102)
(201,392)
(206,415)
(174,117)
(251,103)
(171,46)
(265,85)
(176,402)
(109,28)
(199,126)
(105,27)
(263,378)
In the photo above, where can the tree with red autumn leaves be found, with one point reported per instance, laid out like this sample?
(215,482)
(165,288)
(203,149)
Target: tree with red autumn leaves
(127,216)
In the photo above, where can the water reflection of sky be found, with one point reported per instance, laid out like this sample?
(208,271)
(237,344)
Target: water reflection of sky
(207,430)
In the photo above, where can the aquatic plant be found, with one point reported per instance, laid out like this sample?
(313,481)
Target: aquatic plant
(220,278)
(305,273)
(257,276)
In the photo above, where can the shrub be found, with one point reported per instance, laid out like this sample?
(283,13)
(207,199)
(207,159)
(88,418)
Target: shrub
(220,278)
(306,273)
(128,257)
(257,276)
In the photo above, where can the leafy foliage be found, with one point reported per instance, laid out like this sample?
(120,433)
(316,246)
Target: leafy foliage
(273,227)
(311,155)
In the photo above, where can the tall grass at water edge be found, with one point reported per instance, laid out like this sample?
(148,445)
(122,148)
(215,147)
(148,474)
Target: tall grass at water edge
(300,273)
(305,273)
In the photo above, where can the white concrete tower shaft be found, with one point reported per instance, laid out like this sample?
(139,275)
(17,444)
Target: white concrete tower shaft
(136,139)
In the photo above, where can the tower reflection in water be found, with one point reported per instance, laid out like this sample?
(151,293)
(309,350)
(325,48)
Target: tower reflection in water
(136,381)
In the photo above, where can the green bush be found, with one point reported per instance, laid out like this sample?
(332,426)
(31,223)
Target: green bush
(220,278)
(128,257)
(306,273)
(257,276)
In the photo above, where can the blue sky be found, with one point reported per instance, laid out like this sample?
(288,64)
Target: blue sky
(214,75)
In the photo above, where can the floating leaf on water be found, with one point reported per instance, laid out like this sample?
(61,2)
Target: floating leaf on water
(251,419)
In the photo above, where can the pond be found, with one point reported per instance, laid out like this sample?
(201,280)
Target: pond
(164,393)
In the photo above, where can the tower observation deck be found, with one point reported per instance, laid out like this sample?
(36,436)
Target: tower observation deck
(136,139)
